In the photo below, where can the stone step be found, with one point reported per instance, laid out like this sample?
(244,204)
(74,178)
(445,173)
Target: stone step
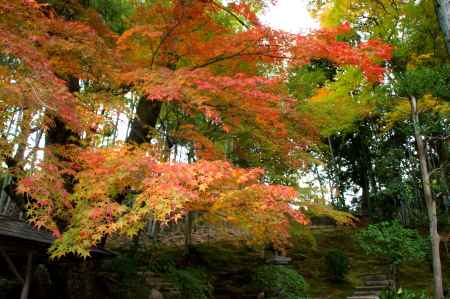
(377,277)
(370,288)
(382,283)
(367,293)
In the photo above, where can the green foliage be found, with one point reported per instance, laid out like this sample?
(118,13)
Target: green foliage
(124,265)
(340,217)
(337,264)
(340,103)
(302,239)
(403,294)
(280,281)
(393,241)
(303,82)
(161,261)
(424,80)
(115,13)
(218,255)
(192,283)
(130,286)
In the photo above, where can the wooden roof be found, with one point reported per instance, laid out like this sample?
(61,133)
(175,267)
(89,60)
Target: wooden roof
(17,234)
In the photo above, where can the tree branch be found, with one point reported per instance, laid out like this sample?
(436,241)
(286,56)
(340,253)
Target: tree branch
(231,13)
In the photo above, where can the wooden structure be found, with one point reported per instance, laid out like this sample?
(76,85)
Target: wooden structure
(20,241)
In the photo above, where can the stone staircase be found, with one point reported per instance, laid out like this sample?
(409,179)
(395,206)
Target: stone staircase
(232,283)
(372,288)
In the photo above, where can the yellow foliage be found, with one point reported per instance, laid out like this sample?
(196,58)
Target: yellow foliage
(419,59)
(339,104)
(402,109)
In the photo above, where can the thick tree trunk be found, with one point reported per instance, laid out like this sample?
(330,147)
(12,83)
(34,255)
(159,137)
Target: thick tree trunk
(15,202)
(430,202)
(59,133)
(147,113)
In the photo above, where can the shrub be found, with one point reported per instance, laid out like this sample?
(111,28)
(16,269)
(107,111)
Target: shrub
(193,283)
(278,281)
(130,285)
(392,241)
(403,294)
(161,262)
(302,239)
(337,264)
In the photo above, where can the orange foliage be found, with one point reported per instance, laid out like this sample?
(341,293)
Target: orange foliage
(47,49)
(184,54)
(165,191)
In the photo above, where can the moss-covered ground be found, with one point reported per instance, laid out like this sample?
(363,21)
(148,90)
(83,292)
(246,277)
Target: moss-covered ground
(230,268)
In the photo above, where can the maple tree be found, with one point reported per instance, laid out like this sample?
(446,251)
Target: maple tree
(217,66)
(163,190)
(232,76)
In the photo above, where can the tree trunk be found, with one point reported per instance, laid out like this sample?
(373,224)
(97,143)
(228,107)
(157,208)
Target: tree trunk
(443,168)
(394,276)
(442,8)
(321,184)
(59,133)
(365,197)
(430,202)
(188,231)
(147,113)
(334,178)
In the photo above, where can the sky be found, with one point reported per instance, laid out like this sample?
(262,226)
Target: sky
(289,15)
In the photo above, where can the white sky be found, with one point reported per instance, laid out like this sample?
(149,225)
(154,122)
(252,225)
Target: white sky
(289,15)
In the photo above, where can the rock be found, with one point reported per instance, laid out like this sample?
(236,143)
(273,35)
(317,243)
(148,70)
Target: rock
(155,294)
(279,260)
(261,296)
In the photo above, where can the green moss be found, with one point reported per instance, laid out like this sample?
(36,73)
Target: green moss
(280,281)
(220,260)
(193,283)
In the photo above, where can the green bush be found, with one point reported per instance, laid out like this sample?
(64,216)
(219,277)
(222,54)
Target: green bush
(302,239)
(123,265)
(193,283)
(337,264)
(278,281)
(161,262)
(403,294)
(130,285)
(394,242)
